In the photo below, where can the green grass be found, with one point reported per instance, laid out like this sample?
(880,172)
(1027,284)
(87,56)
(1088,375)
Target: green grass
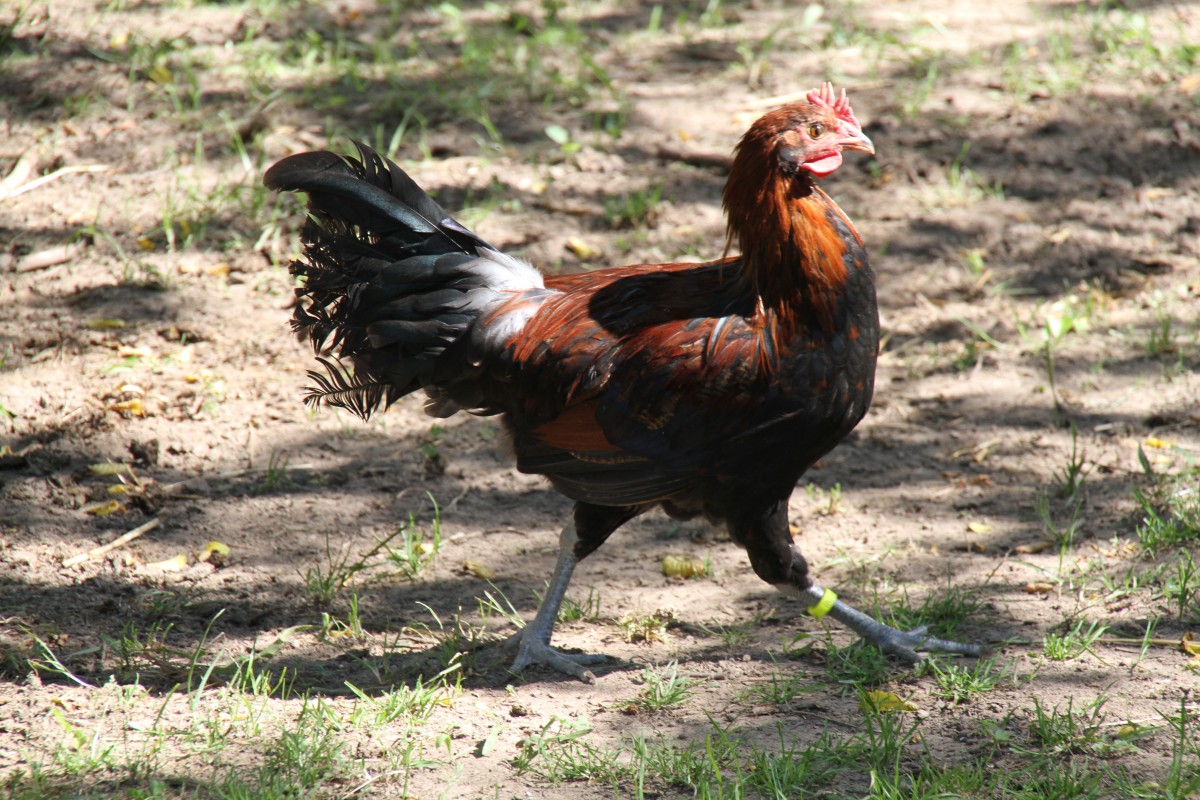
(637,209)
(942,612)
(1073,641)
(781,687)
(303,744)
(963,186)
(887,758)
(961,683)
(829,502)
(118,744)
(641,626)
(560,752)
(1182,587)
(663,688)
(1063,730)
(1170,509)
(585,610)
(167,701)
(733,637)
(334,628)
(849,668)
(276,476)
(1090,43)
(405,553)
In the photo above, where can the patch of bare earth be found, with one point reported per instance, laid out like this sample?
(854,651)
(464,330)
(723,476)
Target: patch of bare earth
(177,361)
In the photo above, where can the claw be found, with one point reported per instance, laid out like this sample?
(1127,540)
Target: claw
(532,642)
(908,645)
(913,645)
(532,650)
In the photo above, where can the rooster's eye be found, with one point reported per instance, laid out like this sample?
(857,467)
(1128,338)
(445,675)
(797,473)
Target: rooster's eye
(815,130)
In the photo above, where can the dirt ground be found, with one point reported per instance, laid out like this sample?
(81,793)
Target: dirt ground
(174,357)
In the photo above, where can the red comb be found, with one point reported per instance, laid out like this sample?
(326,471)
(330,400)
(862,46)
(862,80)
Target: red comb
(839,104)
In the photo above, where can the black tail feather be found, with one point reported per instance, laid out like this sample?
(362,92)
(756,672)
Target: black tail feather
(339,386)
(375,196)
(391,283)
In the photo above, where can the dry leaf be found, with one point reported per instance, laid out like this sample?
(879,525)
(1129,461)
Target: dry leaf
(884,702)
(176,564)
(1037,587)
(108,468)
(103,509)
(25,167)
(1189,645)
(978,527)
(133,407)
(582,249)
(682,567)
(106,324)
(1030,549)
(213,551)
(161,74)
(481,571)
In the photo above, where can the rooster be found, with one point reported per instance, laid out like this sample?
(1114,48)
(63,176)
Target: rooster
(702,389)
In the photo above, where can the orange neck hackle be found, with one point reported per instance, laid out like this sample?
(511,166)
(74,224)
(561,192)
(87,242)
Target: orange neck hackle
(792,255)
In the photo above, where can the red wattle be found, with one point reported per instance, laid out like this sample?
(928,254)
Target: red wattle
(823,166)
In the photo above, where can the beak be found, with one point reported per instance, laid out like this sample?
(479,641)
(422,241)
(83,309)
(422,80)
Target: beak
(857,140)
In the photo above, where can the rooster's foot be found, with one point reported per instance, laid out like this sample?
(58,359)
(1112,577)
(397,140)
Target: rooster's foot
(531,649)
(913,645)
(908,645)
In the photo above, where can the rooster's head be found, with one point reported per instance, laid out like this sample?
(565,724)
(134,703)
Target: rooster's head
(810,135)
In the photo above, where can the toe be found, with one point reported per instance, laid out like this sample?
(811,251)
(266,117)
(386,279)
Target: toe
(532,651)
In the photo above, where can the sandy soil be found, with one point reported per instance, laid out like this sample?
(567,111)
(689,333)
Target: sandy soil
(179,363)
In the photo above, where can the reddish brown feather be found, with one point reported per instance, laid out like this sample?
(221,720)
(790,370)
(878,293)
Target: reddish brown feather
(793,256)
(576,430)
(792,272)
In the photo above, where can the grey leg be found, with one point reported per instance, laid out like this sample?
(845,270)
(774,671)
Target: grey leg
(908,645)
(533,641)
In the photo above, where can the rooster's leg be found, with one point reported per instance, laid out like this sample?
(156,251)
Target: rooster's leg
(908,645)
(533,641)
(769,544)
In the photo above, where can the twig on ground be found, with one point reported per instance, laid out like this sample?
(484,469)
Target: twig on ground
(450,506)
(696,157)
(1179,643)
(25,166)
(120,541)
(179,486)
(49,257)
(53,176)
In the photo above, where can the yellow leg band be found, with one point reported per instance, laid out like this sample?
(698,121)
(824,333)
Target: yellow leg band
(824,604)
